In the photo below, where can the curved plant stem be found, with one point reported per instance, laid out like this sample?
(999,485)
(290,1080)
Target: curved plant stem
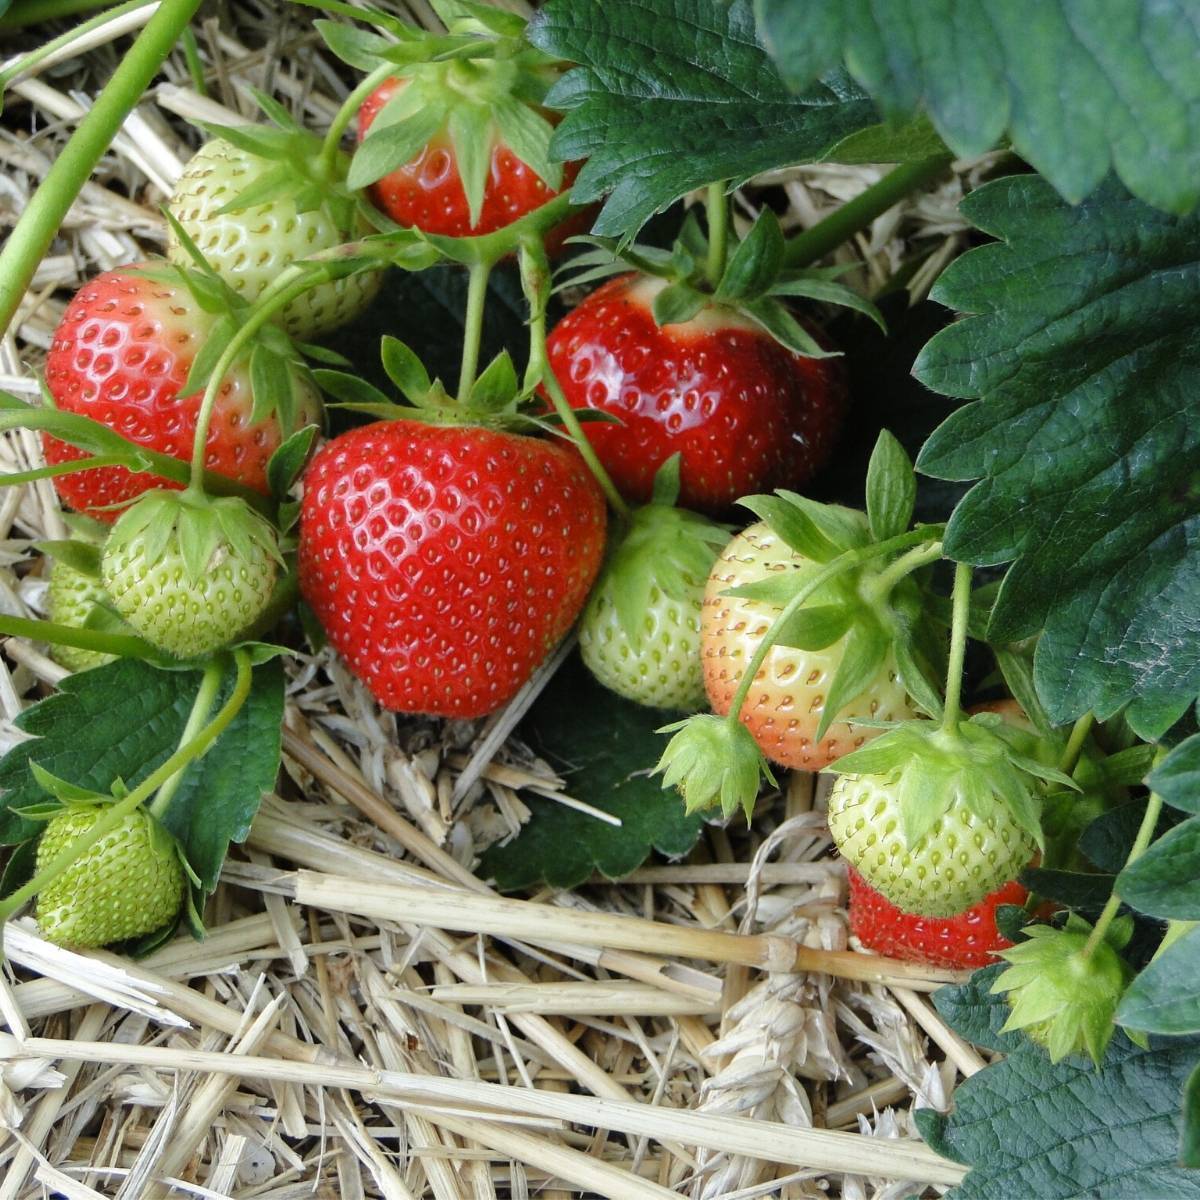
(958,645)
(27,62)
(1079,732)
(30,239)
(858,213)
(844,562)
(914,560)
(347,113)
(123,645)
(206,697)
(717,208)
(473,326)
(113,815)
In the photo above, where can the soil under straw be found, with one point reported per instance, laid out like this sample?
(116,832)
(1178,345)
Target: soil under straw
(419,1035)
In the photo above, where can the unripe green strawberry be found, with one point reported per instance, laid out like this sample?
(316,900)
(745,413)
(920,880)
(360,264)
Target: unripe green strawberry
(640,633)
(128,883)
(250,247)
(69,600)
(188,573)
(937,818)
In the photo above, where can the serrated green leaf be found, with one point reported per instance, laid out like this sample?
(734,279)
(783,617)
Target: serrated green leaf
(1079,87)
(1177,778)
(891,489)
(978,1014)
(672,94)
(756,262)
(1165,997)
(1063,1131)
(891,142)
(1150,717)
(1085,455)
(1165,881)
(122,721)
(605,762)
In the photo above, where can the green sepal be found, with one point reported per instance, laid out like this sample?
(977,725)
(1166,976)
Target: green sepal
(864,652)
(271,388)
(794,526)
(209,354)
(844,528)
(469,127)
(773,316)
(891,488)
(816,627)
(810,286)
(354,392)
(64,791)
(712,761)
(286,463)
(528,134)
(405,370)
(755,263)
(83,557)
(676,304)
(496,388)
(777,589)
(355,47)
(391,146)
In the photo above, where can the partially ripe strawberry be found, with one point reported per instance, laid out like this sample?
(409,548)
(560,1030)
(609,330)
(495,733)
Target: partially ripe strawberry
(70,599)
(745,413)
(190,574)
(445,561)
(250,247)
(964,941)
(121,355)
(958,861)
(640,633)
(127,884)
(786,701)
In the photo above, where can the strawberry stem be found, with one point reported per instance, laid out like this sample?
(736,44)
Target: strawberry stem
(202,706)
(113,815)
(1079,732)
(881,586)
(344,115)
(717,210)
(473,327)
(857,214)
(844,562)
(43,216)
(535,280)
(958,646)
(123,645)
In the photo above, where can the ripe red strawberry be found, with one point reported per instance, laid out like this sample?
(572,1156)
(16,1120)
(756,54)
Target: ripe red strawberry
(786,702)
(965,941)
(427,192)
(121,355)
(746,413)
(445,561)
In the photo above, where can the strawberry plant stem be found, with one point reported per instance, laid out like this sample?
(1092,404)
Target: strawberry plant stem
(43,216)
(36,12)
(717,210)
(346,114)
(191,55)
(19,66)
(123,645)
(844,562)
(202,706)
(113,815)
(858,213)
(958,645)
(473,326)
(1079,732)
(905,565)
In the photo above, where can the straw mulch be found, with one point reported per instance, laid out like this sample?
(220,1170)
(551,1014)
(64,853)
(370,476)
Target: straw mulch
(367,1017)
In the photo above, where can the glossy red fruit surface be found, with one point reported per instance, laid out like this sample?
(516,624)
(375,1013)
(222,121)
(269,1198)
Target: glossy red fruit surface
(121,355)
(445,562)
(427,192)
(961,942)
(746,414)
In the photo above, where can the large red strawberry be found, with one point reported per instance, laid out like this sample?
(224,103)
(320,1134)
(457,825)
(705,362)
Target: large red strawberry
(445,560)
(746,413)
(967,940)
(121,355)
(427,191)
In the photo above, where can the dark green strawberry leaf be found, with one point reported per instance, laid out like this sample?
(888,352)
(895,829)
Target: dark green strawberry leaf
(1165,997)
(672,94)
(1165,881)
(1189,1143)
(977,1014)
(1177,778)
(1076,889)
(1079,88)
(122,721)
(1109,837)
(606,761)
(1085,371)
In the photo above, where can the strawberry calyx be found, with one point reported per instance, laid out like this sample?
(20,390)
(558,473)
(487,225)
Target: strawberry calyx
(712,761)
(754,284)
(477,84)
(1063,985)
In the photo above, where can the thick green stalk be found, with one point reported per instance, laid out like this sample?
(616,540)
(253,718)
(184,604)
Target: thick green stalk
(347,113)
(202,706)
(717,208)
(958,645)
(113,815)
(844,562)
(920,556)
(858,213)
(28,61)
(1079,732)
(121,644)
(42,218)
(473,327)
(34,12)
